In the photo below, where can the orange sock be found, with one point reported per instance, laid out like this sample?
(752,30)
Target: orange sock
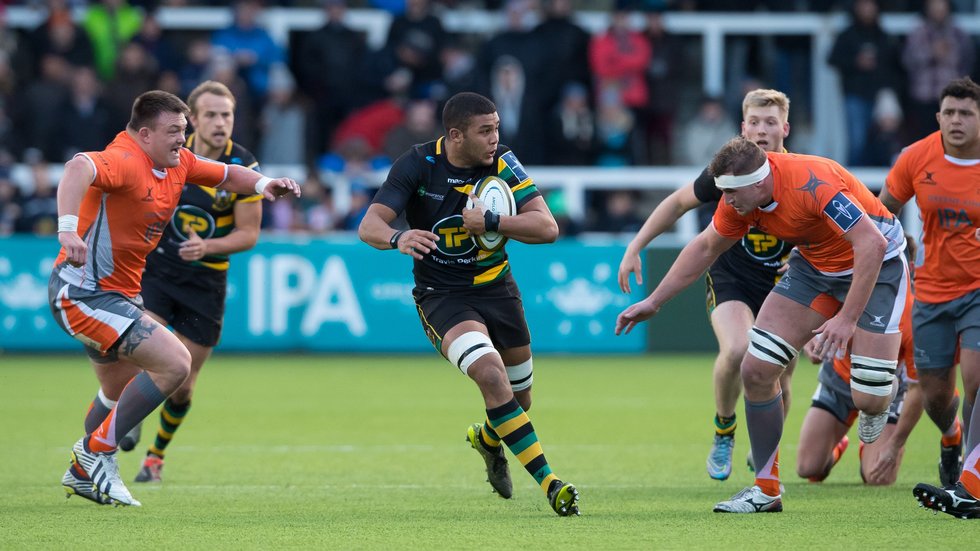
(99,441)
(770,484)
(956,438)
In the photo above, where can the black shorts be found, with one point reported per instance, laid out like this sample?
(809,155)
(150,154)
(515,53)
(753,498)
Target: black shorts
(498,306)
(192,302)
(722,285)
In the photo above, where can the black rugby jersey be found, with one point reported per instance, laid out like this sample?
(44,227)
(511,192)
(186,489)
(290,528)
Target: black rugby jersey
(432,193)
(758,254)
(208,211)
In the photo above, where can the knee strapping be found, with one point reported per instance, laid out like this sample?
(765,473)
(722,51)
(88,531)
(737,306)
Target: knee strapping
(872,375)
(468,348)
(770,347)
(521,375)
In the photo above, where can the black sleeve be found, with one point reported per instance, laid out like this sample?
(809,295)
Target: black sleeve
(704,188)
(402,182)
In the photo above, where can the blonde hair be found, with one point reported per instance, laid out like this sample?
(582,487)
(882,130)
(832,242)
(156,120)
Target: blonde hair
(209,87)
(762,97)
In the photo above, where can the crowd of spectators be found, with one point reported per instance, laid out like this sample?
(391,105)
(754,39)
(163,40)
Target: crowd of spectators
(342,109)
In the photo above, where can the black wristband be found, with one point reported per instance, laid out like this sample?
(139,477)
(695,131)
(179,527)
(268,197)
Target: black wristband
(394,239)
(491,221)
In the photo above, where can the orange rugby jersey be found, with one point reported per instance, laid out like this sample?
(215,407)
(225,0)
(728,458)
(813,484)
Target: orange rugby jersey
(815,202)
(124,212)
(947,191)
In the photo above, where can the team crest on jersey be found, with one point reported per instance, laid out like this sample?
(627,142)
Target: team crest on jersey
(454,239)
(189,217)
(222,199)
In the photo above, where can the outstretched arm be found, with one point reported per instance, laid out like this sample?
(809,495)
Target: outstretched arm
(667,213)
(693,260)
(246,181)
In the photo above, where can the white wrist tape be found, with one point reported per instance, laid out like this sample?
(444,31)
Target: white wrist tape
(260,185)
(67,222)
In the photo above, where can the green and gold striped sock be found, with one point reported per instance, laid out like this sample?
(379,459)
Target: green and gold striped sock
(514,427)
(725,426)
(488,437)
(171,416)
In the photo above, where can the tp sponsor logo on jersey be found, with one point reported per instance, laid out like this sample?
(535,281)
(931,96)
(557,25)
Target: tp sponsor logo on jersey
(454,239)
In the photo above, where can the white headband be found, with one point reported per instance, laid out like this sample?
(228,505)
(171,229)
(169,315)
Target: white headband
(729,181)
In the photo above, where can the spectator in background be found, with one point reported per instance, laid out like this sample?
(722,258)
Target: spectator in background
(110,25)
(566,54)
(282,122)
(39,208)
(704,135)
(619,59)
(885,139)
(320,217)
(936,52)
(420,28)
(9,203)
(459,72)
(252,48)
(157,45)
(58,35)
(136,72)
(615,126)
(419,126)
(572,130)
(508,83)
(514,39)
(192,71)
(866,58)
(327,61)
(662,75)
(35,115)
(85,122)
(619,214)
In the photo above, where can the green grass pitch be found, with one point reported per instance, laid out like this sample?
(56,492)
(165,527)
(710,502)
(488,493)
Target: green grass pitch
(368,453)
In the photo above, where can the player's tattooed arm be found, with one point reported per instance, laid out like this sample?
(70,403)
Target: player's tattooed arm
(140,331)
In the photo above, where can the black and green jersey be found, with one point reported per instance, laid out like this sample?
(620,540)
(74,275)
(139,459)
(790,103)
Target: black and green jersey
(432,193)
(210,212)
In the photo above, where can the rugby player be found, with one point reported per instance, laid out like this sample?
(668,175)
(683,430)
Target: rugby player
(942,171)
(467,299)
(113,206)
(186,276)
(846,278)
(738,282)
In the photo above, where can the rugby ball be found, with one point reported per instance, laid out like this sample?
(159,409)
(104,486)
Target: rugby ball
(496,197)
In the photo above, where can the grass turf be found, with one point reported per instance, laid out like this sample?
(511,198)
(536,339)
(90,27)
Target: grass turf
(369,453)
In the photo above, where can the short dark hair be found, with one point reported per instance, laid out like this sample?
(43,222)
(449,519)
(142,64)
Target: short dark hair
(149,105)
(738,156)
(961,88)
(464,106)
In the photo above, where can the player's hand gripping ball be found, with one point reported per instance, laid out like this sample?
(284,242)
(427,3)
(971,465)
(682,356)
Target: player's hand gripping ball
(496,197)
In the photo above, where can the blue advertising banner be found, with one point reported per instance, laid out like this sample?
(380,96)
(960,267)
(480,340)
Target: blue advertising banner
(340,295)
